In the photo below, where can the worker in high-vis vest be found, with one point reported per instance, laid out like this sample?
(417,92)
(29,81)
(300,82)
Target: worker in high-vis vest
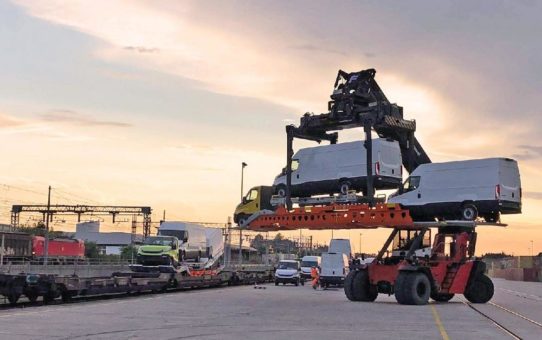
(315,276)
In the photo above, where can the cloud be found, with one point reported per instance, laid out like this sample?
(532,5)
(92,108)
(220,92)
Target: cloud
(535,195)
(9,122)
(141,49)
(72,117)
(529,152)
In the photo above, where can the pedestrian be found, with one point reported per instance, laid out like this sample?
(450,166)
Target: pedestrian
(315,276)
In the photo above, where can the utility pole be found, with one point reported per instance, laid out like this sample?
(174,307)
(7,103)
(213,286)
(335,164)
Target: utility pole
(243,165)
(47,226)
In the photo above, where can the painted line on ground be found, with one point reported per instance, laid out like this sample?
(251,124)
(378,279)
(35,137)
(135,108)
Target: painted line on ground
(439,324)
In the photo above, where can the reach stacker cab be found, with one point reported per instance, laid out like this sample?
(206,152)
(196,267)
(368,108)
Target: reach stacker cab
(413,272)
(257,198)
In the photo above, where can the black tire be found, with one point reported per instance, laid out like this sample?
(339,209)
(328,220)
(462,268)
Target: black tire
(441,297)
(242,219)
(468,212)
(362,288)
(303,282)
(276,283)
(296,283)
(348,285)
(480,290)
(280,190)
(492,217)
(32,297)
(344,187)
(13,298)
(412,288)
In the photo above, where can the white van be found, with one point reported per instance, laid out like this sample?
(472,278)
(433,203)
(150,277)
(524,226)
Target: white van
(288,272)
(335,267)
(462,189)
(192,237)
(341,246)
(338,168)
(307,262)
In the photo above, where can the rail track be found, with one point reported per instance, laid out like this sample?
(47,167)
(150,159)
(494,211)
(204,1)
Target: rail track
(513,333)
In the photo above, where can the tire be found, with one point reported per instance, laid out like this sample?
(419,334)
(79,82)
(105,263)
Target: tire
(362,288)
(276,283)
(480,290)
(242,219)
(441,297)
(32,297)
(303,282)
(492,217)
(469,212)
(281,190)
(348,285)
(344,187)
(13,298)
(412,288)
(296,283)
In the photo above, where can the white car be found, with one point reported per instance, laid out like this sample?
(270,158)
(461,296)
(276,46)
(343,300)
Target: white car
(339,168)
(288,272)
(462,190)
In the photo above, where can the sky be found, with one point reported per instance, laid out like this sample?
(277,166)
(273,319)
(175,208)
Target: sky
(157,103)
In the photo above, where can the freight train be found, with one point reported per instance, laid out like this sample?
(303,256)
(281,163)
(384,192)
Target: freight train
(20,247)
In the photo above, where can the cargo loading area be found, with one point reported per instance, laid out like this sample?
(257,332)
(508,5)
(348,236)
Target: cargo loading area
(282,312)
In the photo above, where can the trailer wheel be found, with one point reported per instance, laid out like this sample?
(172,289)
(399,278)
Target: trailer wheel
(469,212)
(362,288)
(32,297)
(441,297)
(412,288)
(480,290)
(13,298)
(348,285)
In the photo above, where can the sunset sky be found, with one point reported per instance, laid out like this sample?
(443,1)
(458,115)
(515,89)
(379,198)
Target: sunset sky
(158,102)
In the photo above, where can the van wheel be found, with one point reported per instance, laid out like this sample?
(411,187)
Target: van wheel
(242,219)
(281,190)
(344,187)
(492,218)
(469,212)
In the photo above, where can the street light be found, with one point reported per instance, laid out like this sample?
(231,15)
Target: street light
(243,165)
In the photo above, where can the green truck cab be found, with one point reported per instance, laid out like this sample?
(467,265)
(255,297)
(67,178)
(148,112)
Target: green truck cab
(257,198)
(159,250)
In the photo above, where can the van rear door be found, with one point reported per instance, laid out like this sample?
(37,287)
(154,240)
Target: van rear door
(509,186)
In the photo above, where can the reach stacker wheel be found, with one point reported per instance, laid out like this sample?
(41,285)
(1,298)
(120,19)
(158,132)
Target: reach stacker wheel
(480,290)
(441,297)
(412,288)
(358,288)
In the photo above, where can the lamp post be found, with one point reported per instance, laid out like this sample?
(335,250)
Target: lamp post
(243,165)
(360,243)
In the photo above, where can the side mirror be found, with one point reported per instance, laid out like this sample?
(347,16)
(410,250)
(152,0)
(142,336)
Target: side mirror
(244,200)
(174,246)
(185,239)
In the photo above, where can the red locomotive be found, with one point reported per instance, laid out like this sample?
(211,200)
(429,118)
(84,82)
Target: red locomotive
(59,248)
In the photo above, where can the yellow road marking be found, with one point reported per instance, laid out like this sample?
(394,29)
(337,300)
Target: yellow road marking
(439,324)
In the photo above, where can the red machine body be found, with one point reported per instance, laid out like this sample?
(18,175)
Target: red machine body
(59,247)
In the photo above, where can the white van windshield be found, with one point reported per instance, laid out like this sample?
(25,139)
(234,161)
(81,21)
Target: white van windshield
(412,183)
(287,265)
(309,264)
